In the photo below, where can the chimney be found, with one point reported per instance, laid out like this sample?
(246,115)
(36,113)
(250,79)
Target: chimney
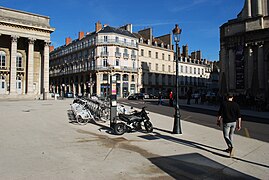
(98,26)
(51,48)
(68,40)
(80,35)
(185,51)
(199,55)
(193,55)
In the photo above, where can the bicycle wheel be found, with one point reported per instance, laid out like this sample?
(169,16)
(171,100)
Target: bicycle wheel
(81,121)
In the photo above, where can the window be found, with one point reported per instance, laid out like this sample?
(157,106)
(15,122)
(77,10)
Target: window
(125,41)
(194,70)
(169,68)
(156,55)
(186,69)
(190,70)
(19,60)
(142,52)
(3,82)
(198,70)
(149,65)
(163,56)
(117,63)
(2,59)
(117,49)
(202,71)
(105,38)
(157,67)
(133,79)
(163,67)
(169,57)
(117,39)
(105,62)
(105,49)
(181,69)
(133,64)
(105,77)
(149,53)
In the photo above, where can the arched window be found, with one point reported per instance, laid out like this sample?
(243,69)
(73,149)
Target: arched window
(2,59)
(19,60)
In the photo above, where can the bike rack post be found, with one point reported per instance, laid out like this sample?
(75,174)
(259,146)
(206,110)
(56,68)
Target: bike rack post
(113,110)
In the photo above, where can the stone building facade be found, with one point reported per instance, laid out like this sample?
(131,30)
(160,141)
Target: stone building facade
(140,62)
(158,67)
(85,65)
(244,51)
(24,54)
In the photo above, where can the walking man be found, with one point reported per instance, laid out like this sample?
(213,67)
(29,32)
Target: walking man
(229,113)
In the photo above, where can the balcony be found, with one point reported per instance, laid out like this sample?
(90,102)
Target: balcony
(3,68)
(117,42)
(125,55)
(104,54)
(20,69)
(117,54)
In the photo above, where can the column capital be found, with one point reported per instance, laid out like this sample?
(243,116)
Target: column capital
(31,40)
(14,38)
(47,43)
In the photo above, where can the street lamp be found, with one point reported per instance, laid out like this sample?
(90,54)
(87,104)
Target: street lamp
(177,126)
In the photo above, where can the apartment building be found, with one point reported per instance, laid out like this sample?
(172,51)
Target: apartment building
(86,65)
(156,59)
(158,67)
(140,62)
(24,54)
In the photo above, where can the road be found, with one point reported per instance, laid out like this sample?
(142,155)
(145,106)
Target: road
(256,128)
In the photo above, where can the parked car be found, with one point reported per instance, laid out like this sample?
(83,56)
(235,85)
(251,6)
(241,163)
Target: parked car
(69,95)
(152,96)
(137,96)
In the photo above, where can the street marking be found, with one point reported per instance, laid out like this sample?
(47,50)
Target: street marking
(247,133)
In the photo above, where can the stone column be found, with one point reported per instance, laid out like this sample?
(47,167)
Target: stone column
(46,70)
(13,70)
(261,66)
(231,69)
(249,66)
(30,72)
(259,7)
(249,8)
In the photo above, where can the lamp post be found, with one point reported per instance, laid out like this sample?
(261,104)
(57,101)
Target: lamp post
(177,126)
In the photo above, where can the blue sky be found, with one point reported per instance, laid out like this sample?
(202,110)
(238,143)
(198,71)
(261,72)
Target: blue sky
(199,19)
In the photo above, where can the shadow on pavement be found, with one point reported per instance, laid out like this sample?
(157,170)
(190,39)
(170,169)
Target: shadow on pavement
(196,166)
(198,146)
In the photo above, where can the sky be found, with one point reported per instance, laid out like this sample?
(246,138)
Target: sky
(199,19)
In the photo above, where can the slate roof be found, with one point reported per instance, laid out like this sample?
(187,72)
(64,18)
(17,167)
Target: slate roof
(109,29)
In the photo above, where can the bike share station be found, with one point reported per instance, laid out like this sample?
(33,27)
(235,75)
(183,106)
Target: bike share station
(121,121)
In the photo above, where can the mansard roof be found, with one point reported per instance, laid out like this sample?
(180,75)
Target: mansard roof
(109,29)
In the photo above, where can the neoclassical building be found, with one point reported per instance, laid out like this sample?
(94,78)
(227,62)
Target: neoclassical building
(24,54)
(244,50)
